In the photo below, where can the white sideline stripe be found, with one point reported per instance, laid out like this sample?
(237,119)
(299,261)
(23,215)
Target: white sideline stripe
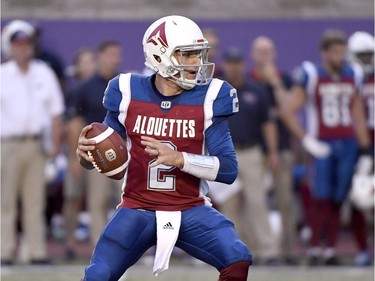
(101,137)
(125,89)
(311,109)
(211,95)
(117,170)
(358,78)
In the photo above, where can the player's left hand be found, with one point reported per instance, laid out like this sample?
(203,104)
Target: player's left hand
(164,154)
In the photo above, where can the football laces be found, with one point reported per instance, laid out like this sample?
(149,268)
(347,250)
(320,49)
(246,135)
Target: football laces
(94,163)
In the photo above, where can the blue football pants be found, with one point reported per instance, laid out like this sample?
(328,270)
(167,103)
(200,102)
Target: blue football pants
(205,234)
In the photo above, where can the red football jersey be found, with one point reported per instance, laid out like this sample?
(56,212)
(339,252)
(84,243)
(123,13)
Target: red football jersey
(329,114)
(180,122)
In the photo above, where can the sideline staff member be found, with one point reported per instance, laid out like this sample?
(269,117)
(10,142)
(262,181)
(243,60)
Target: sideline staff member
(31,99)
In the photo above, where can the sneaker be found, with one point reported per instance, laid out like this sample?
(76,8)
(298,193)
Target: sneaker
(313,261)
(363,259)
(70,254)
(272,262)
(332,261)
(291,261)
(40,261)
(6,262)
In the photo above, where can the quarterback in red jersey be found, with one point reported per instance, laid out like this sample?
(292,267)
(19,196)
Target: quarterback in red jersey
(335,131)
(175,123)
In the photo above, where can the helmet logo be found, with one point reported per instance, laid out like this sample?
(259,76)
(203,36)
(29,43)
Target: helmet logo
(158,34)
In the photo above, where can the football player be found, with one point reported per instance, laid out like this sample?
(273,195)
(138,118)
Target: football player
(361,51)
(178,137)
(335,130)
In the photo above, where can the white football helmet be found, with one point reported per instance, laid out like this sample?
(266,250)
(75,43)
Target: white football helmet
(361,50)
(362,193)
(10,29)
(165,44)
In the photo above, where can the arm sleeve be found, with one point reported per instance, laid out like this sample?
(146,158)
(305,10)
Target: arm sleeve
(299,77)
(287,81)
(219,143)
(226,102)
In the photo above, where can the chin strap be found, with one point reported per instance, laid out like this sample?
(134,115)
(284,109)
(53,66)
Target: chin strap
(182,84)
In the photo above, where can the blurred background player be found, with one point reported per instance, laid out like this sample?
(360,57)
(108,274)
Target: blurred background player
(361,51)
(335,130)
(84,66)
(248,209)
(213,39)
(48,56)
(265,71)
(84,107)
(31,99)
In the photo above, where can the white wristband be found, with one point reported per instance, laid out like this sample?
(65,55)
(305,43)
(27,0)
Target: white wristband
(201,166)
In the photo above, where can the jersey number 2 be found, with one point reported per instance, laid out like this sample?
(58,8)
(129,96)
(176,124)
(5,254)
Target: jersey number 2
(157,180)
(235,102)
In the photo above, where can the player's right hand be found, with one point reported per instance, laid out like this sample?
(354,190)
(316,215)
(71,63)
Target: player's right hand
(85,145)
(315,147)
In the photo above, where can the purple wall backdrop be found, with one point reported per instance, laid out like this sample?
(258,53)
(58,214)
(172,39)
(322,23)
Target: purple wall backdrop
(296,40)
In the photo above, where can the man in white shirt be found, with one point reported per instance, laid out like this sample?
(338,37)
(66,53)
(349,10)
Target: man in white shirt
(30,100)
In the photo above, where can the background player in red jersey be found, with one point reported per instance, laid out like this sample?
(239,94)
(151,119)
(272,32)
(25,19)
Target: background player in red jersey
(178,137)
(361,50)
(335,130)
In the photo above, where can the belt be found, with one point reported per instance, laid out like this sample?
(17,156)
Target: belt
(21,138)
(247,145)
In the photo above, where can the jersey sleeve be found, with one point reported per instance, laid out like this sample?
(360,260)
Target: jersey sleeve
(226,102)
(219,143)
(111,102)
(112,95)
(287,80)
(299,77)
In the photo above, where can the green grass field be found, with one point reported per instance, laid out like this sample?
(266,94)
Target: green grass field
(186,273)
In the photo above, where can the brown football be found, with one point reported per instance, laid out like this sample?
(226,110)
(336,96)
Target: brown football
(110,153)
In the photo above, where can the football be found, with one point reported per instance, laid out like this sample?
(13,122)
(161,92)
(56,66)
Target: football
(110,153)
